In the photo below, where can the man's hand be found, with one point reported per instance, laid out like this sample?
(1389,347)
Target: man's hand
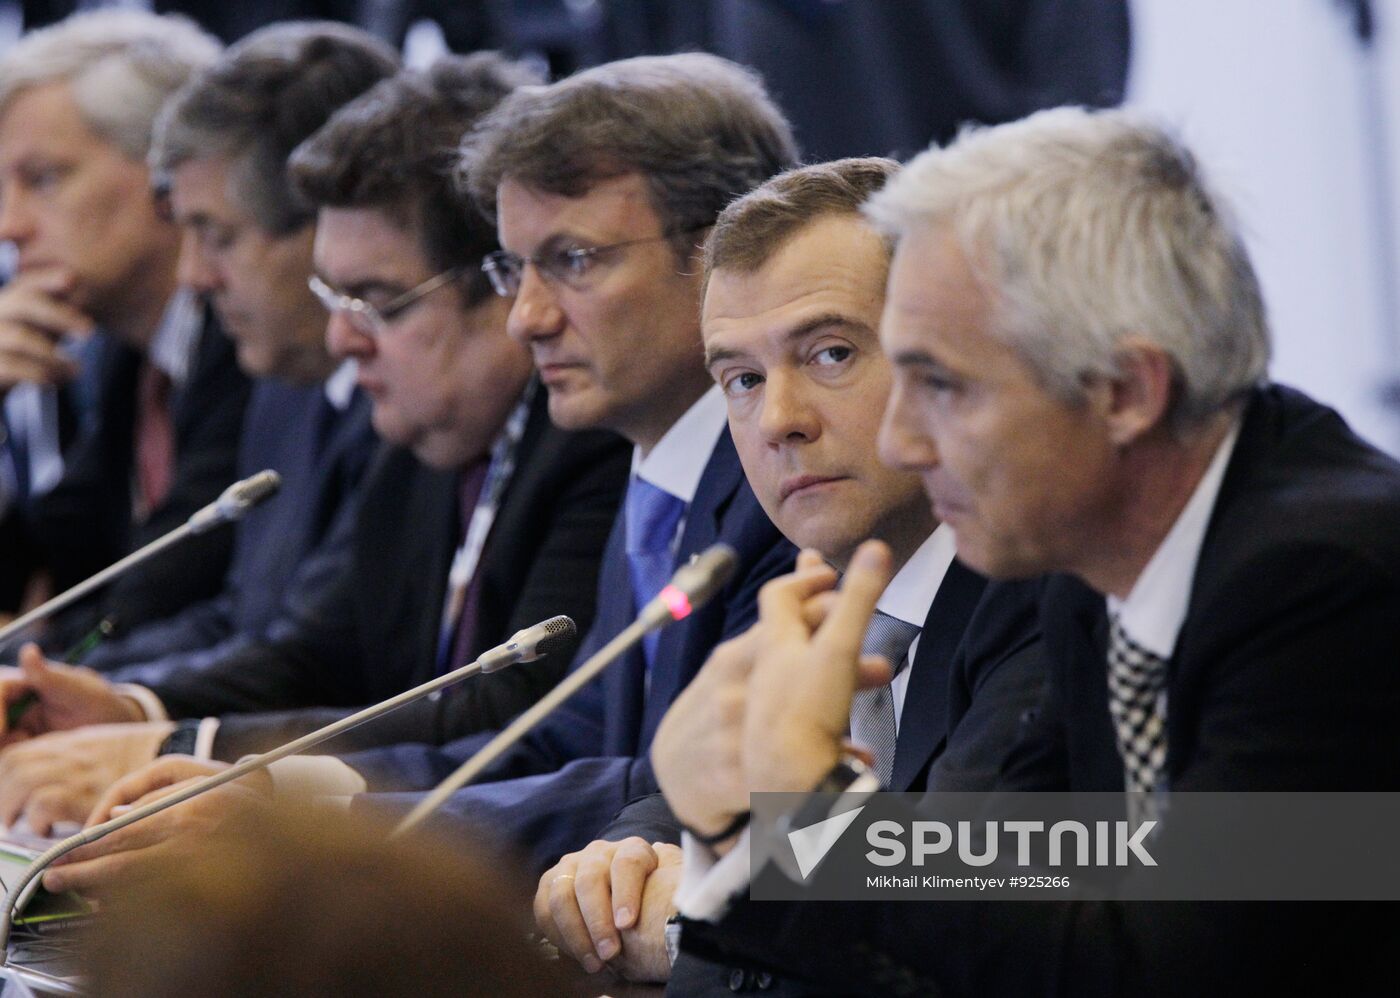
(34,320)
(68,697)
(799,692)
(60,776)
(608,904)
(145,848)
(697,751)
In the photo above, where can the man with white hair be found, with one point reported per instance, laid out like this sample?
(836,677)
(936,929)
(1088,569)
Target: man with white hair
(156,402)
(1081,347)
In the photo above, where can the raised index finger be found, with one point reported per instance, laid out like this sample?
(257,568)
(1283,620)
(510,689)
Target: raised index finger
(843,631)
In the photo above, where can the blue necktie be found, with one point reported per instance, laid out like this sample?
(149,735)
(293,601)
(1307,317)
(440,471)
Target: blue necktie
(652,515)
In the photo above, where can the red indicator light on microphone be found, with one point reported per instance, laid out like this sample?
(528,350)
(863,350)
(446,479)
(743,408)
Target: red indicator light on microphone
(677,602)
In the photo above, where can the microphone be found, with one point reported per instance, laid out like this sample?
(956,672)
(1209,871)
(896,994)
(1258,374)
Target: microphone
(525,645)
(690,588)
(232,505)
(235,501)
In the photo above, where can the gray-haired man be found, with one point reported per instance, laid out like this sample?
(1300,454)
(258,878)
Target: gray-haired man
(154,416)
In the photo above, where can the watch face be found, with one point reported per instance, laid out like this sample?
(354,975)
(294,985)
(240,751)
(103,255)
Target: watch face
(673,940)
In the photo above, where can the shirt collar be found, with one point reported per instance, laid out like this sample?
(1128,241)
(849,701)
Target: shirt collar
(678,460)
(340,386)
(911,592)
(177,337)
(1155,609)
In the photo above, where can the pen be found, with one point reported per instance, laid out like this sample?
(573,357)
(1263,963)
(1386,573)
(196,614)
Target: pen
(15,711)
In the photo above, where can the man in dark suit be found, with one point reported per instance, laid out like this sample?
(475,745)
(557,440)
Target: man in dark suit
(160,400)
(1080,344)
(220,151)
(795,281)
(472,444)
(600,254)
(248,252)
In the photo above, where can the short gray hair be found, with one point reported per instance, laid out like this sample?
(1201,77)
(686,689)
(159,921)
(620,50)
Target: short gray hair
(1087,227)
(268,93)
(702,130)
(121,65)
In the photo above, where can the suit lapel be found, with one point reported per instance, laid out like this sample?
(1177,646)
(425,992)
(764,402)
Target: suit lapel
(923,728)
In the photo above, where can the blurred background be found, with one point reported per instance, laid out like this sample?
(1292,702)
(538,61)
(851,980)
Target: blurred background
(1292,105)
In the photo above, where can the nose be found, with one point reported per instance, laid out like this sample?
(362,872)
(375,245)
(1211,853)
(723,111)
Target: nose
(344,340)
(906,441)
(787,415)
(16,222)
(195,269)
(535,314)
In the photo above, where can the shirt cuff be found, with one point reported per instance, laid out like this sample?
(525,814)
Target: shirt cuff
(314,776)
(145,699)
(709,884)
(204,738)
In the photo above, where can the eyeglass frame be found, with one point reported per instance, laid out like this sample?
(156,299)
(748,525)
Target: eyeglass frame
(491,263)
(378,319)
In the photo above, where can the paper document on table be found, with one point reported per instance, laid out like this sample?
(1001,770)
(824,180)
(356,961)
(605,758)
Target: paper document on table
(19,847)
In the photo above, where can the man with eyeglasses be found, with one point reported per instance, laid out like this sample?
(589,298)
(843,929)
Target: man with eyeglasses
(601,185)
(480,518)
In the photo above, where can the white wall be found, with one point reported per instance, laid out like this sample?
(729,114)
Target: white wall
(1272,95)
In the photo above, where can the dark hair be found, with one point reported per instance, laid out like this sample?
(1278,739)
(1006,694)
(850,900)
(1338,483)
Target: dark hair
(292,904)
(750,230)
(395,149)
(701,130)
(263,97)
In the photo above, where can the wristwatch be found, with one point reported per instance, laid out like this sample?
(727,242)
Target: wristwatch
(182,740)
(850,780)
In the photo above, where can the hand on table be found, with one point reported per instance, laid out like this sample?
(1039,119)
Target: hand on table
(60,776)
(608,903)
(145,848)
(68,697)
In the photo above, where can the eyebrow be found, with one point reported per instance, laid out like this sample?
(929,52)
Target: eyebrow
(807,327)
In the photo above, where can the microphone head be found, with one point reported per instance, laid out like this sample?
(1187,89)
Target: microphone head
(536,641)
(235,501)
(251,491)
(696,583)
(559,633)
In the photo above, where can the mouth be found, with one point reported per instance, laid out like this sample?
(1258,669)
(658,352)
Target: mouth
(555,370)
(806,485)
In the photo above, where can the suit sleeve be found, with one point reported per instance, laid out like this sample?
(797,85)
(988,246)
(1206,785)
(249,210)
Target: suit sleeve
(308,661)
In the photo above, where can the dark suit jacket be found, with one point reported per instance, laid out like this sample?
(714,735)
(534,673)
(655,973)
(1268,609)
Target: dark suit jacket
(85,523)
(557,787)
(290,548)
(374,633)
(1284,678)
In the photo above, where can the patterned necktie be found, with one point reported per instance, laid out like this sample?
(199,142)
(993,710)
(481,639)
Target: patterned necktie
(652,515)
(872,711)
(1136,678)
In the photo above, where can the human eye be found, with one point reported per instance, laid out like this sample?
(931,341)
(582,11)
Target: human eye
(739,383)
(42,176)
(574,262)
(833,355)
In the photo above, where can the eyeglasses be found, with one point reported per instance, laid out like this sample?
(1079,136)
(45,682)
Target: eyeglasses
(571,267)
(372,320)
